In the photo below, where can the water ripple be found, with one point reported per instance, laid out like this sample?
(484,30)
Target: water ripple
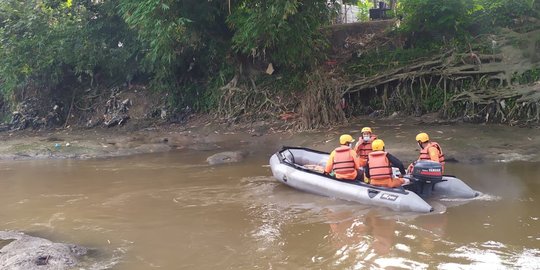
(480,197)
(492,255)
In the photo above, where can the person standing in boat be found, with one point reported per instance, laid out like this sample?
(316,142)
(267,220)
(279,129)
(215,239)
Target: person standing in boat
(428,150)
(343,161)
(379,167)
(363,146)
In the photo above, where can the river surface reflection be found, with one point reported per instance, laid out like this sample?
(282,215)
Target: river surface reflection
(172,211)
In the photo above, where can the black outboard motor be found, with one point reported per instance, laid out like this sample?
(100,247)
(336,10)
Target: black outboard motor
(425,175)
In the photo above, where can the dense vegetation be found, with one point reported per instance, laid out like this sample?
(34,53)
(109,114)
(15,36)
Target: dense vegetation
(209,55)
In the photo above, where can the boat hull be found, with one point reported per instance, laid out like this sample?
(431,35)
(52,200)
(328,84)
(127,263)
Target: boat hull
(289,167)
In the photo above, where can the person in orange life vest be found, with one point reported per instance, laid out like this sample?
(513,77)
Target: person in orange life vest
(343,161)
(428,150)
(379,168)
(363,146)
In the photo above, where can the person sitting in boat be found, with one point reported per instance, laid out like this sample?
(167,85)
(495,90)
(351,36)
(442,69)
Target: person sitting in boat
(363,146)
(428,150)
(379,167)
(343,161)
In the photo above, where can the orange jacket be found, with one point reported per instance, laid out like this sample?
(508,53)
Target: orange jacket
(364,148)
(379,166)
(432,152)
(380,171)
(344,162)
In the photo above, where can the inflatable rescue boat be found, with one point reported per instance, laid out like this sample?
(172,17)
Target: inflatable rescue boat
(302,168)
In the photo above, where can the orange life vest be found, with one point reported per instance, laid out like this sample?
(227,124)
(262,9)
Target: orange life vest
(424,155)
(343,161)
(379,166)
(364,148)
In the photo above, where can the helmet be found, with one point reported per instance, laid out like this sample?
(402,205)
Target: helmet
(366,129)
(422,137)
(345,138)
(377,145)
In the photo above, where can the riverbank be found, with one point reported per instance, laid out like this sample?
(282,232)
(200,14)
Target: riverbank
(461,142)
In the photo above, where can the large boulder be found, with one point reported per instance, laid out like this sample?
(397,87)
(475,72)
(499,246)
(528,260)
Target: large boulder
(226,157)
(21,251)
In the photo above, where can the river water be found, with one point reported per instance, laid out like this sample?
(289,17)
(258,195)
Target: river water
(173,211)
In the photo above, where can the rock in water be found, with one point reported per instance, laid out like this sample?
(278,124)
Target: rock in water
(226,157)
(21,251)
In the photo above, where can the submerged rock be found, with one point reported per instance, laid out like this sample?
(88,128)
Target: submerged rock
(226,157)
(21,251)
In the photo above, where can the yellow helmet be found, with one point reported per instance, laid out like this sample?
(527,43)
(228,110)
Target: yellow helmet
(422,137)
(377,145)
(366,129)
(345,138)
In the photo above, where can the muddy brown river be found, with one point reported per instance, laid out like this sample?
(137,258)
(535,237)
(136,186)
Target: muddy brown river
(173,211)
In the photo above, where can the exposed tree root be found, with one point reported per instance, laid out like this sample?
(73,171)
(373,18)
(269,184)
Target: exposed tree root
(512,105)
(322,104)
(471,87)
(247,101)
(318,105)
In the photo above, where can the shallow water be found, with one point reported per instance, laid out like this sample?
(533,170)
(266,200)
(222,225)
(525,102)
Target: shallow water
(172,211)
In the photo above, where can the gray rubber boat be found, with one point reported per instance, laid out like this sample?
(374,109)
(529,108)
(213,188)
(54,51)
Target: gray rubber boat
(300,168)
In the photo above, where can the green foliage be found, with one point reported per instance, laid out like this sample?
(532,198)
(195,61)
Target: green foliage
(284,32)
(213,95)
(434,100)
(363,9)
(436,20)
(187,48)
(529,76)
(26,49)
(159,35)
(185,43)
(376,102)
(502,13)
(44,42)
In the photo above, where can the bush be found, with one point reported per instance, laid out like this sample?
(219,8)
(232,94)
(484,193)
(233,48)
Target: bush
(283,32)
(42,44)
(501,13)
(436,20)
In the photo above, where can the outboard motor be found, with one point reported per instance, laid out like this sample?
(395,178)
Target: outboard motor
(426,174)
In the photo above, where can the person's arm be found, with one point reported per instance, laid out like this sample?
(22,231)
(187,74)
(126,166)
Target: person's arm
(356,146)
(356,159)
(395,162)
(330,162)
(433,154)
(366,171)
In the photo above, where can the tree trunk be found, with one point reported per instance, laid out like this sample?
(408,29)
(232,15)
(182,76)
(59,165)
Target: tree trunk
(393,4)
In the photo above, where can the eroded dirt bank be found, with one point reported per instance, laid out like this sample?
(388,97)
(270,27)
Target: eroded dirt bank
(461,142)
